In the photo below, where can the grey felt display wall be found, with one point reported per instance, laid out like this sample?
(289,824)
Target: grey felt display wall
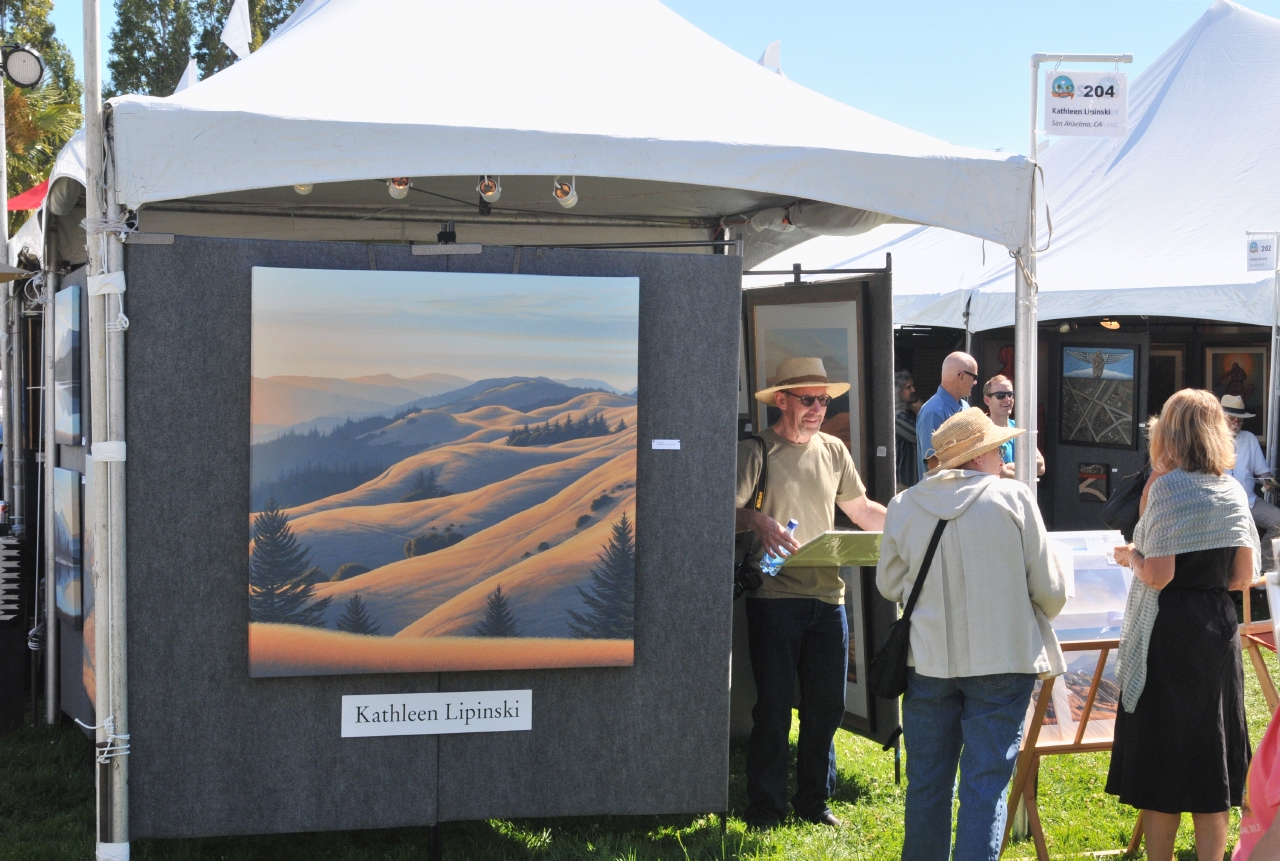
(215,752)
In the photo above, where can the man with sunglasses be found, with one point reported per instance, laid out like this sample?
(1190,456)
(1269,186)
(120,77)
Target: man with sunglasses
(997,393)
(796,623)
(959,373)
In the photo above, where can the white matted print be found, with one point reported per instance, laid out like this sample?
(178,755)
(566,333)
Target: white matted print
(829,331)
(66,367)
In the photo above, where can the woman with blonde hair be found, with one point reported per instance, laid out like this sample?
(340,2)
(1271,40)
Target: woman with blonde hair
(1181,743)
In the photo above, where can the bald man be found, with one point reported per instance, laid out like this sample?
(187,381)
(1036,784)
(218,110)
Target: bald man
(959,373)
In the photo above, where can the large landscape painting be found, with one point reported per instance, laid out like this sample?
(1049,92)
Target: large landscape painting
(443,471)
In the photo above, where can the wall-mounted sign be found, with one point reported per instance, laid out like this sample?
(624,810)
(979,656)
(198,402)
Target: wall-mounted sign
(436,714)
(1088,104)
(1260,250)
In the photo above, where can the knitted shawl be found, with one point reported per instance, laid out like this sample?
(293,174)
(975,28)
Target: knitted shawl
(1186,512)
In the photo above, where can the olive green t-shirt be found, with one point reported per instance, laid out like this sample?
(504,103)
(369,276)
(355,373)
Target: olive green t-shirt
(804,484)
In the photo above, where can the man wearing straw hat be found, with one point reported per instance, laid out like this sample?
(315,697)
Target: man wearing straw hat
(796,620)
(979,636)
(1251,469)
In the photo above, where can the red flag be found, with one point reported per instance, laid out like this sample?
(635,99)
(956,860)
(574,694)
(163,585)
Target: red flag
(29,199)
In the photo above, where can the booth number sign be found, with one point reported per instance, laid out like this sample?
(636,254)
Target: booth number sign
(1260,249)
(1092,104)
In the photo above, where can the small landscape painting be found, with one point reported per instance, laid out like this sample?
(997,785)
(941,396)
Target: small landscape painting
(67,557)
(443,472)
(66,366)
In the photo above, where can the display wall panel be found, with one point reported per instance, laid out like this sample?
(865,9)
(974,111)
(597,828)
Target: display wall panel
(215,752)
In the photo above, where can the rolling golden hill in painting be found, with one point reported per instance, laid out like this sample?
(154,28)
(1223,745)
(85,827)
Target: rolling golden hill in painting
(413,520)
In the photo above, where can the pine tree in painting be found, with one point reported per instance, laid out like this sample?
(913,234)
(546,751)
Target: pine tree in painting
(498,620)
(611,598)
(355,618)
(278,591)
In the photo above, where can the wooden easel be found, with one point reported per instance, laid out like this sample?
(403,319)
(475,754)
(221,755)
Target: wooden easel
(1028,765)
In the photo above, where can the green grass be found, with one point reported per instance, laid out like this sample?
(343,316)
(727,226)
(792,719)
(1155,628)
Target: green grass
(47,809)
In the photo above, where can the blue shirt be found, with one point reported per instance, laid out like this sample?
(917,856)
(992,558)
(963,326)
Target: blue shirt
(1006,448)
(935,411)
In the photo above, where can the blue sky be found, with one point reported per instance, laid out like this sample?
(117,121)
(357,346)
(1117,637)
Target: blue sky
(467,324)
(954,69)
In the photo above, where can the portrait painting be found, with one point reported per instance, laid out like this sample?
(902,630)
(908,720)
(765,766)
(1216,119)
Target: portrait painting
(66,367)
(827,330)
(443,472)
(1244,372)
(1099,396)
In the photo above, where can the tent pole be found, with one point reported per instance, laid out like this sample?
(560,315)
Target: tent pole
(1024,336)
(51,642)
(106,383)
(1273,408)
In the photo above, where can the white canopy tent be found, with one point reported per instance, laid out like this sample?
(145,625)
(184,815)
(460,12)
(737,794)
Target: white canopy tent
(667,130)
(1152,223)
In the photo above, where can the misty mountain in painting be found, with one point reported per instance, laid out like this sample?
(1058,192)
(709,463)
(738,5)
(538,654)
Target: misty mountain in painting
(452,486)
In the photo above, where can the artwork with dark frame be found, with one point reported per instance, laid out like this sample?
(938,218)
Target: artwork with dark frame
(67,556)
(66,367)
(790,322)
(1099,395)
(859,716)
(1166,374)
(1244,372)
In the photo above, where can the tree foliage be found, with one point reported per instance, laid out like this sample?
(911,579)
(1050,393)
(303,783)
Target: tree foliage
(610,600)
(39,121)
(552,432)
(355,618)
(426,486)
(499,620)
(210,16)
(432,541)
(279,590)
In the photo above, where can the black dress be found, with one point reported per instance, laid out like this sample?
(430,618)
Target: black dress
(1185,749)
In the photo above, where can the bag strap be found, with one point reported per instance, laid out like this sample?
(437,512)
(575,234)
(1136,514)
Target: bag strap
(924,569)
(763,478)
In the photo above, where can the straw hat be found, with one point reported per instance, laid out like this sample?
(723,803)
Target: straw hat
(966,435)
(1233,405)
(801,373)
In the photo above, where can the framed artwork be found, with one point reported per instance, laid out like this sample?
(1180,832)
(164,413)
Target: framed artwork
(1242,371)
(1099,396)
(66,367)
(801,321)
(443,471)
(857,700)
(67,556)
(1095,482)
(1166,374)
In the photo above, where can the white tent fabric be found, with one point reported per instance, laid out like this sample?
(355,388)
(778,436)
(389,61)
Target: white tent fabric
(1152,223)
(574,87)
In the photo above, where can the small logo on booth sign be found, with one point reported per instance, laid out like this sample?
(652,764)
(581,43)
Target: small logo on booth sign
(437,713)
(1253,247)
(1063,88)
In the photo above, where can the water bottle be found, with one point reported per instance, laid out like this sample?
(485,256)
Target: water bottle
(772,562)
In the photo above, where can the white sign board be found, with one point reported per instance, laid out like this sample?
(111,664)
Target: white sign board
(1260,248)
(1091,104)
(436,714)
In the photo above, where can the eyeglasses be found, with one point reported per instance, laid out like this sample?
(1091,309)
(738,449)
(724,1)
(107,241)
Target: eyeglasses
(1000,396)
(810,400)
(972,374)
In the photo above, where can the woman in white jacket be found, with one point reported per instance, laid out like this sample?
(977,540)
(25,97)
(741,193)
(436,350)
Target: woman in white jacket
(980,634)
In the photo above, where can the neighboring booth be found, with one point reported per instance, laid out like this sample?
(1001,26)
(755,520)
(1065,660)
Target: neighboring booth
(1150,272)
(459,530)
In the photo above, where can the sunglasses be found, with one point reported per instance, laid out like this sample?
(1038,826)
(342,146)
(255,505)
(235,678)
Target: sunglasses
(810,400)
(1000,396)
(972,374)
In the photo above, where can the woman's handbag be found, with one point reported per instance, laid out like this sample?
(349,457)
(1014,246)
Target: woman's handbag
(888,671)
(746,575)
(1121,508)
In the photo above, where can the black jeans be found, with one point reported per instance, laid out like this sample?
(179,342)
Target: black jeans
(790,636)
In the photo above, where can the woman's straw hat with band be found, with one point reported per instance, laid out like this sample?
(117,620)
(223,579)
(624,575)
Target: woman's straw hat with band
(966,435)
(801,373)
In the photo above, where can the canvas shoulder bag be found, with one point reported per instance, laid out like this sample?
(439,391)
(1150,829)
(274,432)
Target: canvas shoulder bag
(746,576)
(888,671)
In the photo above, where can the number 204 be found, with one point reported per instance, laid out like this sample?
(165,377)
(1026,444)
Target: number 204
(1091,92)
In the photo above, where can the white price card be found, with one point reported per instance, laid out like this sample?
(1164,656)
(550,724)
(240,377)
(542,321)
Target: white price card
(666,445)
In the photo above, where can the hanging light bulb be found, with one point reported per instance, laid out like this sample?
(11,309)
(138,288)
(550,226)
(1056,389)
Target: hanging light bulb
(303,188)
(398,187)
(565,193)
(1110,324)
(490,188)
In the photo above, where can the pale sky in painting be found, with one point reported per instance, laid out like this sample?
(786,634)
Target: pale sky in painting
(326,323)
